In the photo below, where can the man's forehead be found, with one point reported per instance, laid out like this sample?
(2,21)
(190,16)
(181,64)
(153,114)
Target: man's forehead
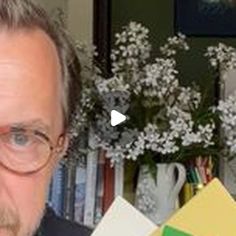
(32,41)
(28,53)
(29,75)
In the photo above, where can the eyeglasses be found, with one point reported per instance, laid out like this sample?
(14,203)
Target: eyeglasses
(24,150)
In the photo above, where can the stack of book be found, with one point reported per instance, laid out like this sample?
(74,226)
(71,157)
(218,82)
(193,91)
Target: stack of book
(84,189)
(199,174)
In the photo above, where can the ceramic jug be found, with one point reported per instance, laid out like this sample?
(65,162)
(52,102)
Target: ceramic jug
(156,198)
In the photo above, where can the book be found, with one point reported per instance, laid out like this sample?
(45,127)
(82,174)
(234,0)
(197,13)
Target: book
(119,179)
(170,231)
(69,190)
(91,175)
(109,182)
(55,198)
(211,212)
(123,219)
(99,187)
(80,187)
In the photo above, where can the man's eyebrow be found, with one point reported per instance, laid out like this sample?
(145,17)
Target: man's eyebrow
(35,124)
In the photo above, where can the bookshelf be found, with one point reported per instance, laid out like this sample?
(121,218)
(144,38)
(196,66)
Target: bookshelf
(82,189)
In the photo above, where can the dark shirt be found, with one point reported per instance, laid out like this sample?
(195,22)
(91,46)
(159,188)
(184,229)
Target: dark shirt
(52,225)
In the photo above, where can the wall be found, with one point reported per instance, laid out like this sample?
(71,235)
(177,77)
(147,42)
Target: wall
(51,5)
(79,15)
(80,20)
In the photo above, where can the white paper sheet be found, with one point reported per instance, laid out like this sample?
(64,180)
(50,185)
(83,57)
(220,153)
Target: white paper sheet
(122,219)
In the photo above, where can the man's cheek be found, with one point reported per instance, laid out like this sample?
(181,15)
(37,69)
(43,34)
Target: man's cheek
(30,194)
(31,205)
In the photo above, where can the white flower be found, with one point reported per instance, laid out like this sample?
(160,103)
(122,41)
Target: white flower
(189,96)
(222,56)
(175,112)
(167,110)
(227,111)
(174,43)
(159,78)
(132,48)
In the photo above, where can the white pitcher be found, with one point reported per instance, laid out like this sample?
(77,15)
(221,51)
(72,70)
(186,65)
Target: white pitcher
(157,200)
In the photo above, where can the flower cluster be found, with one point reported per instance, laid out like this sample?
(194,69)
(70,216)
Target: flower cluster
(180,134)
(164,119)
(227,114)
(162,124)
(222,57)
(159,78)
(133,48)
(173,44)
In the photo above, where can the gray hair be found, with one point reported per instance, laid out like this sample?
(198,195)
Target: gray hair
(26,14)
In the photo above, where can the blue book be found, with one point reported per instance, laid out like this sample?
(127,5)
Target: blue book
(55,198)
(80,190)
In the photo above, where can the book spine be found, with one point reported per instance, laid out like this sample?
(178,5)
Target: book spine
(69,190)
(119,179)
(80,188)
(99,187)
(56,195)
(109,177)
(91,174)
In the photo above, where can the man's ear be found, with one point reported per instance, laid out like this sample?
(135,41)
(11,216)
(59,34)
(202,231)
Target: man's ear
(64,146)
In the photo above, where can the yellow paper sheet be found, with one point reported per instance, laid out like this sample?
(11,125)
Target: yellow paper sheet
(212,212)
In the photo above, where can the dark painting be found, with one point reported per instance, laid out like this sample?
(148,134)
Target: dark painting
(205,17)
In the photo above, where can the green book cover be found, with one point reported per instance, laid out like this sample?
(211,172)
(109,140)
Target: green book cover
(170,231)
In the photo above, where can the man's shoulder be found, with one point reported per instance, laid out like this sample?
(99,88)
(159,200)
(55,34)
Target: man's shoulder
(57,226)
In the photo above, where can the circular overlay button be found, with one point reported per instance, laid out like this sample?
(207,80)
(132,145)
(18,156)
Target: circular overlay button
(114,104)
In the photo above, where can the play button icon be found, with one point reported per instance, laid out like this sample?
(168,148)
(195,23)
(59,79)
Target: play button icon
(114,111)
(117,118)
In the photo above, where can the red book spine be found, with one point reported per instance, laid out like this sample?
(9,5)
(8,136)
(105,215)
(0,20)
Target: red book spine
(109,182)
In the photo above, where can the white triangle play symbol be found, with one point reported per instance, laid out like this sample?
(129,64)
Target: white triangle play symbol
(117,118)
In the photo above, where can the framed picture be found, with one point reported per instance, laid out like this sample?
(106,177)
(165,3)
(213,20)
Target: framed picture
(205,17)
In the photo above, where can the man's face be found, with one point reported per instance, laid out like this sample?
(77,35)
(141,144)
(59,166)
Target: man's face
(29,93)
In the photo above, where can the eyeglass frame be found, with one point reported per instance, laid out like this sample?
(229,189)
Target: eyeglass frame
(53,148)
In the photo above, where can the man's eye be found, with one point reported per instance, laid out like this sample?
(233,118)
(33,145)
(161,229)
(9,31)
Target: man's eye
(20,139)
